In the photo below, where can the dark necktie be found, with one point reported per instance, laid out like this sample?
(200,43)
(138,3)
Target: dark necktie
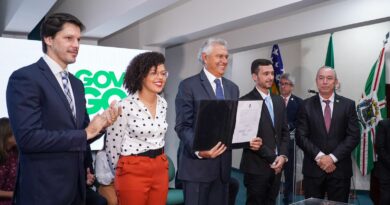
(218,89)
(65,85)
(327,115)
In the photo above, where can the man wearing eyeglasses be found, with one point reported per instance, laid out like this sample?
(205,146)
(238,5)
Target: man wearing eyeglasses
(292,102)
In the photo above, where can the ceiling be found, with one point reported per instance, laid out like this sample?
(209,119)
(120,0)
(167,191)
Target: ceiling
(101,17)
(104,18)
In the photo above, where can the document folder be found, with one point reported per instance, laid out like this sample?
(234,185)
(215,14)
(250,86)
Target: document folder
(217,122)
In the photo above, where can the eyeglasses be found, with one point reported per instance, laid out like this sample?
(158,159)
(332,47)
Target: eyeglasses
(284,84)
(163,74)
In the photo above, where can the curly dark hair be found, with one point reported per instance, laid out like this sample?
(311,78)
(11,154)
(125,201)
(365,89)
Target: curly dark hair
(139,68)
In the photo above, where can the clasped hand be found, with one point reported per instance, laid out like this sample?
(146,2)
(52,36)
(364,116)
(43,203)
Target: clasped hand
(278,164)
(326,163)
(102,121)
(90,177)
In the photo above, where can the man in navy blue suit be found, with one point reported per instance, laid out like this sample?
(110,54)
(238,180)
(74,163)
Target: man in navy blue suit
(292,102)
(46,107)
(205,173)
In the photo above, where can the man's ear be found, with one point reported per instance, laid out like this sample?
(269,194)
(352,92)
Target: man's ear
(48,40)
(254,77)
(204,58)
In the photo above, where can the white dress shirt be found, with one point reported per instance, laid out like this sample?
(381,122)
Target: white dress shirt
(56,69)
(211,79)
(323,104)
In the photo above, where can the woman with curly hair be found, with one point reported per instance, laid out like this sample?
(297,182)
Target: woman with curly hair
(8,162)
(135,142)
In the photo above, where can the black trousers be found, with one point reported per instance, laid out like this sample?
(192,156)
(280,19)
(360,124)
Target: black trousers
(337,189)
(94,198)
(289,174)
(262,189)
(206,193)
(384,186)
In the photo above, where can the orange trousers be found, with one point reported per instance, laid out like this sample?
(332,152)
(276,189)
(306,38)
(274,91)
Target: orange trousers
(142,180)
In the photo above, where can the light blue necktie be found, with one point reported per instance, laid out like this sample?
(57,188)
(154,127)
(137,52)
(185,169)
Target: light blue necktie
(218,89)
(65,85)
(268,102)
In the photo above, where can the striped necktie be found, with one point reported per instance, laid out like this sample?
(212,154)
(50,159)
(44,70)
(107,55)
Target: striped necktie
(65,85)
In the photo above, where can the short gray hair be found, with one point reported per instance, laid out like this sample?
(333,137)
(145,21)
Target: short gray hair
(288,77)
(327,67)
(207,46)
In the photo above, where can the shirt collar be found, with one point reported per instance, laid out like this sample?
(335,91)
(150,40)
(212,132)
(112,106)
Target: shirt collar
(288,97)
(331,98)
(54,66)
(263,95)
(210,76)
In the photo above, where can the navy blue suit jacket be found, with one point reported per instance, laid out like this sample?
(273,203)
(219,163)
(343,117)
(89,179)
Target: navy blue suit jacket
(311,135)
(292,111)
(51,143)
(190,167)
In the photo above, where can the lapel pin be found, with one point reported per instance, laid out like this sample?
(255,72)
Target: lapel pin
(337,101)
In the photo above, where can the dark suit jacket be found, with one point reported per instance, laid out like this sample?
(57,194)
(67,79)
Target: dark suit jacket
(292,111)
(382,143)
(343,137)
(258,162)
(51,144)
(190,167)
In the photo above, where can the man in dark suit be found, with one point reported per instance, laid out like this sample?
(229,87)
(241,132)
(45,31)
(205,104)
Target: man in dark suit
(292,102)
(47,110)
(382,167)
(327,132)
(262,168)
(205,173)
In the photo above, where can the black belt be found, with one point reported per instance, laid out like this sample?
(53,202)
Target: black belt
(151,153)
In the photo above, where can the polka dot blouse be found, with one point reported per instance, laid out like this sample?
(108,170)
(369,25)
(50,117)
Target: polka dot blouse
(135,131)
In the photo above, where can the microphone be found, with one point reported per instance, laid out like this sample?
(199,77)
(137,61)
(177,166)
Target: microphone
(312,91)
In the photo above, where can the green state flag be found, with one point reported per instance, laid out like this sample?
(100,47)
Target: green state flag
(329,61)
(370,110)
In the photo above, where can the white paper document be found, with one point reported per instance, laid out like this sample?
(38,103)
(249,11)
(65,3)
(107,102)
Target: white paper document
(247,120)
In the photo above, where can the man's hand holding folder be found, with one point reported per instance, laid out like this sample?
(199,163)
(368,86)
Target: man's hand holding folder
(214,152)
